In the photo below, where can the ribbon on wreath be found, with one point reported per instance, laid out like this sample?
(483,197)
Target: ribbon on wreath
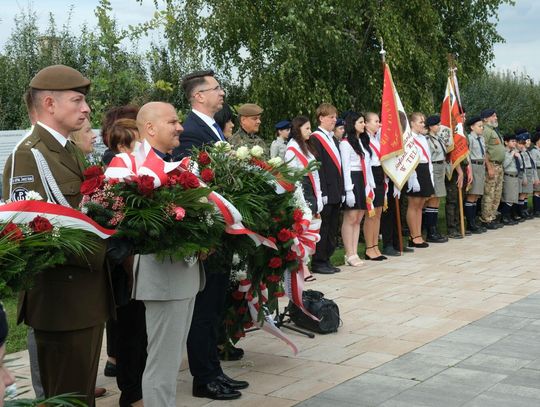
(269,325)
(304,244)
(58,215)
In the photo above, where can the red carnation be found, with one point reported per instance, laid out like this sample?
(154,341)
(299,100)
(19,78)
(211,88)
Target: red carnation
(188,180)
(298,215)
(207,175)
(241,310)
(238,295)
(40,225)
(12,231)
(275,262)
(91,185)
(272,278)
(298,228)
(284,235)
(145,185)
(93,172)
(204,158)
(291,256)
(179,213)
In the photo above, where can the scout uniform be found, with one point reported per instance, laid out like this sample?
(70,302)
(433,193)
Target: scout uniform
(241,137)
(495,152)
(279,145)
(69,304)
(530,174)
(513,167)
(477,155)
(534,151)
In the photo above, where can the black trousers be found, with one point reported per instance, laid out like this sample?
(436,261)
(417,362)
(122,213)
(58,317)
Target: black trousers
(329,230)
(388,221)
(202,341)
(131,351)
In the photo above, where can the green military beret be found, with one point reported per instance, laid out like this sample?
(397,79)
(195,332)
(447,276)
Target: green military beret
(60,77)
(250,109)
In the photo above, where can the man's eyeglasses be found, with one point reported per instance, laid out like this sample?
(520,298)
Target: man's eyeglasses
(216,89)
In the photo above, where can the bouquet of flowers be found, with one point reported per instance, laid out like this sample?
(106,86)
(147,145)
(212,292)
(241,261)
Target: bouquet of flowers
(158,208)
(31,243)
(271,208)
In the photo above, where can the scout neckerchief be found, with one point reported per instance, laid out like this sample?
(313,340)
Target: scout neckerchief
(370,194)
(305,162)
(330,150)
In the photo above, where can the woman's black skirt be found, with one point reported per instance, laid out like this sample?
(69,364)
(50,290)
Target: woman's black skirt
(378,176)
(359,191)
(424,179)
(309,195)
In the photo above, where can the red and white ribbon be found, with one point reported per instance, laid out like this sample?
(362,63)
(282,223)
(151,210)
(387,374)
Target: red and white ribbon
(143,161)
(58,215)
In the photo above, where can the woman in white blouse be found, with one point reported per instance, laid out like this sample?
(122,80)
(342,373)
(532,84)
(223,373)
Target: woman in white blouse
(420,184)
(299,154)
(354,164)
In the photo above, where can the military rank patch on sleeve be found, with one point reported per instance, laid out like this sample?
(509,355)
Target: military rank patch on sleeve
(22,179)
(19,194)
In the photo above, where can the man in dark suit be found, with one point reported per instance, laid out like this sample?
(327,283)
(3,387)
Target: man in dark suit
(206,98)
(331,187)
(68,305)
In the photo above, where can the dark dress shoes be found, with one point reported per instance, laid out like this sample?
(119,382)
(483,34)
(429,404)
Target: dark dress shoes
(215,390)
(390,251)
(330,266)
(233,384)
(408,249)
(322,269)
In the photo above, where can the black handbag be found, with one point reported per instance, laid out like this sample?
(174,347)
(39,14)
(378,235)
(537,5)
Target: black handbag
(326,310)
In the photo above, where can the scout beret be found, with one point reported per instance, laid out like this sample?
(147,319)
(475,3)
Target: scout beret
(487,113)
(523,136)
(249,109)
(3,326)
(508,137)
(284,124)
(535,137)
(340,122)
(60,77)
(433,120)
(198,74)
(473,120)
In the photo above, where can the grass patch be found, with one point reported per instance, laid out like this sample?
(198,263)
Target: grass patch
(16,340)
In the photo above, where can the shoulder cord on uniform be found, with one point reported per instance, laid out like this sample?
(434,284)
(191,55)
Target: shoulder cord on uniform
(49,183)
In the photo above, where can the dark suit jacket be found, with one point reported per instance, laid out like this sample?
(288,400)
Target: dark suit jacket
(331,179)
(75,295)
(196,134)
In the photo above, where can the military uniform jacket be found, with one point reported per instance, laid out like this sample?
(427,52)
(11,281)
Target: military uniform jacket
(75,295)
(494,144)
(241,138)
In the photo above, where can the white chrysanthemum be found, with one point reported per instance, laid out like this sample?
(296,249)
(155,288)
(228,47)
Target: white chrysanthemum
(33,196)
(275,162)
(84,210)
(235,259)
(257,151)
(242,153)
(203,200)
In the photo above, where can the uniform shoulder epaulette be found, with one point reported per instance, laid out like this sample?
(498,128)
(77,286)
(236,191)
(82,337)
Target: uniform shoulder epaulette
(28,142)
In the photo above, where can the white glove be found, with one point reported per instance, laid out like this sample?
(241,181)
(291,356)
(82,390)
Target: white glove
(397,193)
(324,200)
(342,198)
(350,200)
(413,183)
(320,204)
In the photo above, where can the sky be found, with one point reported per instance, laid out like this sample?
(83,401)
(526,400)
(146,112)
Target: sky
(517,24)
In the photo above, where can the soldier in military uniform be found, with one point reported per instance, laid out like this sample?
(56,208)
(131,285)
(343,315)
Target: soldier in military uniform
(495,152)
(249,116)
(68,305)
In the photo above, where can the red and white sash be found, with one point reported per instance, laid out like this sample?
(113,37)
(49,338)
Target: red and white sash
(305,162)
(370,194)
(329,150)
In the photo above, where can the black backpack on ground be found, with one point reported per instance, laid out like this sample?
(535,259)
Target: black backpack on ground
(326,310)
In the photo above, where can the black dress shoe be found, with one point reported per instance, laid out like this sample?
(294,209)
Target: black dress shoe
(215,390)
(490,226)
(322,269)
(390,251)
(110,369)
(332,267)
(419,245)
(436,239)
(233,384)
(454,234)
(229,352)
(408,249)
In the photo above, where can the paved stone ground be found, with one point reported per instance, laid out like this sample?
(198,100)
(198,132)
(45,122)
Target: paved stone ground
(433,328)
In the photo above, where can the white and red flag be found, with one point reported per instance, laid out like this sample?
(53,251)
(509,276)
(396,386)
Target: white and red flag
(452,124)
(399,155)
